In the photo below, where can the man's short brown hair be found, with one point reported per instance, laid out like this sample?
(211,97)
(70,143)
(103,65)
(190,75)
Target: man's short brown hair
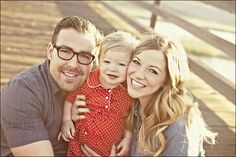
(81,25)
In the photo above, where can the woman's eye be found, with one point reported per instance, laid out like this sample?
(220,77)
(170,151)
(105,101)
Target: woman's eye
(153,71)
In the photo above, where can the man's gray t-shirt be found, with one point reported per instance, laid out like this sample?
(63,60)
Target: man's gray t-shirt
(31,110)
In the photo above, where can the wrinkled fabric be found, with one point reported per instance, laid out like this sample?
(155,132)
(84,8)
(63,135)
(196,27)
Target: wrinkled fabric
(104,125)
(177,143)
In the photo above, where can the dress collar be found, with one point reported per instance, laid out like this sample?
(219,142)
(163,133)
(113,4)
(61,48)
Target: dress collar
(94,82)
(93,79)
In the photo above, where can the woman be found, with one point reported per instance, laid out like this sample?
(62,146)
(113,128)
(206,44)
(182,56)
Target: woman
(164,120)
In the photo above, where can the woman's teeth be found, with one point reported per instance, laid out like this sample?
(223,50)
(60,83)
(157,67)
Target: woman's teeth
(137,84)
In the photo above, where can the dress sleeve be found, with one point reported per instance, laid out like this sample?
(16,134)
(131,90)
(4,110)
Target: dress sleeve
(21,115)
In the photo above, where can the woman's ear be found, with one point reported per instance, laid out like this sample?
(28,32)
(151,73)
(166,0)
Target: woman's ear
(49,51)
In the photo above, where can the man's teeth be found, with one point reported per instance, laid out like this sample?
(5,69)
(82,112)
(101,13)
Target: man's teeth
(136,84)
(69,74)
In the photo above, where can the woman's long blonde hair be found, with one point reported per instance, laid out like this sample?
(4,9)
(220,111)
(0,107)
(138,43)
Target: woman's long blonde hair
(169,103)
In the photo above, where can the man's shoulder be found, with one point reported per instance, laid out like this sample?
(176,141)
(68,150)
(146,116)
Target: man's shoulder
(28,75)
(28,78)
(24,91)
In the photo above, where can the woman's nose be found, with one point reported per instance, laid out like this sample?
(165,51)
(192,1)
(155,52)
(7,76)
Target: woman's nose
(140,73)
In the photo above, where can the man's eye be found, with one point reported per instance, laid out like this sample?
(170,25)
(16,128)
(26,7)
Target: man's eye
(85,56)
(65,51)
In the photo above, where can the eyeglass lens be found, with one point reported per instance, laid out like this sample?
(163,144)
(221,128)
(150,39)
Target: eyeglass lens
(83,57)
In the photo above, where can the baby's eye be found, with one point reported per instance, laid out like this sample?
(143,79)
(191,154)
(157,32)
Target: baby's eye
(122,64)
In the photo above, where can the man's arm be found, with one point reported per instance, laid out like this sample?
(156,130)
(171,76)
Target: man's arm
(40,148)
(22,122)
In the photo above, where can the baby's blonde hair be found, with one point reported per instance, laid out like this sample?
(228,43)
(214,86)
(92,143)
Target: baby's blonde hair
(119,40)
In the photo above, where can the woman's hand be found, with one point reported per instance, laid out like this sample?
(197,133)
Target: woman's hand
(123,146)
(79,108)
(89,152)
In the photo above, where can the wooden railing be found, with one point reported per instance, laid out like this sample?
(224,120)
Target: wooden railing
(218,82)
(228,5)
(25,35)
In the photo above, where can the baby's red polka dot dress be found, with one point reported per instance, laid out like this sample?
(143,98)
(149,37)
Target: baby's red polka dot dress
(104,125)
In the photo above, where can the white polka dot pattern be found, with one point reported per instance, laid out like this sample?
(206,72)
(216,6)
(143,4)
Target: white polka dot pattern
(105,124)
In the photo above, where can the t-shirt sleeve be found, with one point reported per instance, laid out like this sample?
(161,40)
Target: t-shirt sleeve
(70,97)
(22,118)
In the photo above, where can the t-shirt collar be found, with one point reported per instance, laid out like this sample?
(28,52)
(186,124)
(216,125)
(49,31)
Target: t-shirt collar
(52,83)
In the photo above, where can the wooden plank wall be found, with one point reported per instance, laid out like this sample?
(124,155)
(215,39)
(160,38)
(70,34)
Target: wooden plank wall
(227,5)
(26,29)
(226,88)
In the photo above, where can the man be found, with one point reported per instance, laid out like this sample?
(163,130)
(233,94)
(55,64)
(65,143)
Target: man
(32,102)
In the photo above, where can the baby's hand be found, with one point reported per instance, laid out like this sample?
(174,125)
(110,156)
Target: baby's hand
(67,130)
(123,146)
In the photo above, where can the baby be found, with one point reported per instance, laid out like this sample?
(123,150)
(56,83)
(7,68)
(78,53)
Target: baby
(107,99)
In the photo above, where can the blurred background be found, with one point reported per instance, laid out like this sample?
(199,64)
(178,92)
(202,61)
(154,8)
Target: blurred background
(205,28)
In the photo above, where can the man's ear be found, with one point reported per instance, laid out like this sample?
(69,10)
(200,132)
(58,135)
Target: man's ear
(49,51)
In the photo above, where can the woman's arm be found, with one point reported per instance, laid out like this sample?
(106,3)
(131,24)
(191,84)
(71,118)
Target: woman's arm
(89,152)
(124,145)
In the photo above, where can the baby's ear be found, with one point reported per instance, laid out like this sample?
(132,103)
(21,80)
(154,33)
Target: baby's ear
(49,50)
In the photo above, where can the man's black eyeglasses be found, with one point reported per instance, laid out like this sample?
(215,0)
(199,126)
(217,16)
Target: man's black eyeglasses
(66,53)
